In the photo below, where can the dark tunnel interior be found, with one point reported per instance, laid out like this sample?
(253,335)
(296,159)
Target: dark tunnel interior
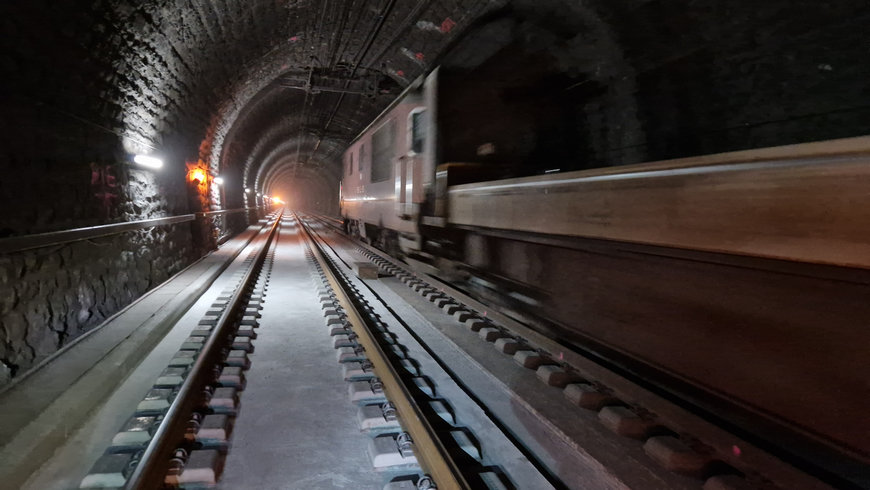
(267,94)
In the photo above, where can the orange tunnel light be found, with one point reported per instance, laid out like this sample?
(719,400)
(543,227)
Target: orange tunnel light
(197,175)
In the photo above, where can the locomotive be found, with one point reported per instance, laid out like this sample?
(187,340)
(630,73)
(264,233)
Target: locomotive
(383,185)
(393,192)
(544,196)
(666,270)
(402,192)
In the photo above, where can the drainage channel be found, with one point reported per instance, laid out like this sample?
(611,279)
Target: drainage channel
(423,428)
(178,434)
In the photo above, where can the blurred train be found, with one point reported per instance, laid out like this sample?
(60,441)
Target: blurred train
(404,191)
(736,280)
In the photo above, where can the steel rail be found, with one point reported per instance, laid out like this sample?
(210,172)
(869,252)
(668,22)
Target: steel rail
(431,453)
(757,452)
(330,221)
(150,473)
(41,240)
(227,211)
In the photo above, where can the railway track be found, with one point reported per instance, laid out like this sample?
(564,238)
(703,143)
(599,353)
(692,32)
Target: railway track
(316,361)
(672,434)
(179,434)
(366,341)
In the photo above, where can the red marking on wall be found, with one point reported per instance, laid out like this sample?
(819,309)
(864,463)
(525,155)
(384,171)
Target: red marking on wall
(736,450)
(103,183)
(401,73)
(414,56)
(293,39)
(447,25)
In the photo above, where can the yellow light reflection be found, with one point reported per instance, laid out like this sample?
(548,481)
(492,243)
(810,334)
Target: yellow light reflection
(197,175)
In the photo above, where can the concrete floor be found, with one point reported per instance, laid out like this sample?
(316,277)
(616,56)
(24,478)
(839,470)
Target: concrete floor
(297,428)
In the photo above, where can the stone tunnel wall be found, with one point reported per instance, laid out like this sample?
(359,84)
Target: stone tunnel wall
(53,295)
(86,85)
(88,82)
(574,85)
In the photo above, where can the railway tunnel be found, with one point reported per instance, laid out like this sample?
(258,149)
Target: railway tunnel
(538,244)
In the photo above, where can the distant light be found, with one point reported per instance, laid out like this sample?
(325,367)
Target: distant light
(247,191)
(197,175)
(219,180)
(277,200)
(258,194)
(148,161)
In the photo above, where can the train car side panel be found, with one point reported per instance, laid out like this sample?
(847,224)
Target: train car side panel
(804,208)
(383,192)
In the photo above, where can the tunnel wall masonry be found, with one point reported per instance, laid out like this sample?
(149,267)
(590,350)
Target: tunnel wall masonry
(54,295)
(88,85)
(578,85)
(88,82)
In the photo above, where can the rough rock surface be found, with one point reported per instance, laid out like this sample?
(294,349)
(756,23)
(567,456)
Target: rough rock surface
(53,295)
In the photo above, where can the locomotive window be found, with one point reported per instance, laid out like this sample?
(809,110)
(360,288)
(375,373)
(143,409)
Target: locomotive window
(362,158)
(383,148)
(350,163)
(418,131)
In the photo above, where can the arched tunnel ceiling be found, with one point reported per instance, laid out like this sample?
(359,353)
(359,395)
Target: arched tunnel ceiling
(225,81)
(248,84)
(239,84)
(337,66)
